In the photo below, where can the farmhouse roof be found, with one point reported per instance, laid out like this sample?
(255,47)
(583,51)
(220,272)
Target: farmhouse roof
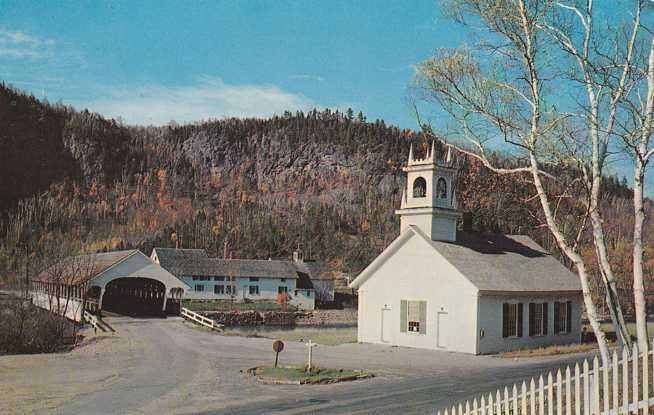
(182,261)
(492,262)
(79,269)
(189,262)
(316,270)
(253,268)
(303,281)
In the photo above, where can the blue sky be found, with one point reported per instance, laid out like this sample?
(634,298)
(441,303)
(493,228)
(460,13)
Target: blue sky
(150,62)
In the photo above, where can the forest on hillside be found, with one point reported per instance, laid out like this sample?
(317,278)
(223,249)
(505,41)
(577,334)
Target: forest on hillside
(325,181)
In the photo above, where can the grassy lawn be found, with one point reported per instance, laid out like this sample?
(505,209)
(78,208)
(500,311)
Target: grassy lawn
(325,336)
(300,375)
(608,327)
(226,305)
(551,350)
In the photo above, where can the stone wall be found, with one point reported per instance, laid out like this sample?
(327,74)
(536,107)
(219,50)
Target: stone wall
(252,318)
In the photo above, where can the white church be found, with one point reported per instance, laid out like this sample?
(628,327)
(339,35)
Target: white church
(436,288)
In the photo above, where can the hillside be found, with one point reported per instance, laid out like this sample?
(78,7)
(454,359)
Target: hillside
(259,188)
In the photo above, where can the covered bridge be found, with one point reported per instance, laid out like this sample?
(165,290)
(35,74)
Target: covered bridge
(125,282)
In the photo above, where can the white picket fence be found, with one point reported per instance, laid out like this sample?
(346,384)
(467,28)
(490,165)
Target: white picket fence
(200,319)
(624,387)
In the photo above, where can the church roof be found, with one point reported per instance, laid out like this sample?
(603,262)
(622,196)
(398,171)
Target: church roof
(493,263)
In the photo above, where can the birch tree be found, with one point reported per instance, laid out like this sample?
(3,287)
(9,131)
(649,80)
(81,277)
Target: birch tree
(504,87)
(612,67)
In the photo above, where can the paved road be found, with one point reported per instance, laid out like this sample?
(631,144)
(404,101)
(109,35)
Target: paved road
(168,366)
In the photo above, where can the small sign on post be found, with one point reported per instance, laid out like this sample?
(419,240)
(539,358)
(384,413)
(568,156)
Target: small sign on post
(277,346)
(311,345)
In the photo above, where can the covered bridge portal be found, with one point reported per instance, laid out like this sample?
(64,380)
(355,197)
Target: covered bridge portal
(124,282)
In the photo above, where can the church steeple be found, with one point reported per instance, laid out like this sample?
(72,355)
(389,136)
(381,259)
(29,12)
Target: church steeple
(428,201)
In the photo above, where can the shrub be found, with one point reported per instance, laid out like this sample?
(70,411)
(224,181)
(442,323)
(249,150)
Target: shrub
(26,329)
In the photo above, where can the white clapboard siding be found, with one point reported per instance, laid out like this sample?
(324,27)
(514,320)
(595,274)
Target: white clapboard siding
(624,387)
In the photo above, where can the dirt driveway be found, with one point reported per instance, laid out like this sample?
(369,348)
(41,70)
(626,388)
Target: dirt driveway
(168,366)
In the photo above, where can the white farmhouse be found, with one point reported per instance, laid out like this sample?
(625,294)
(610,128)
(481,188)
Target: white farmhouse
(237,279)
(435,288)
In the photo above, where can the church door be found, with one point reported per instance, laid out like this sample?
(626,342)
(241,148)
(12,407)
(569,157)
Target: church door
(442,330)
(386,328)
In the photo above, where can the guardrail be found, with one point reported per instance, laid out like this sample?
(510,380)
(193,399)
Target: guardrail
(93,320)
(200,319)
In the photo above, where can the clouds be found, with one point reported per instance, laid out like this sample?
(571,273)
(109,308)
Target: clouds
(20,45)
(308,77)
(209,98)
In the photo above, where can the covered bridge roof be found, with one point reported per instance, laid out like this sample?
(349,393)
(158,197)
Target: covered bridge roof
(78,269)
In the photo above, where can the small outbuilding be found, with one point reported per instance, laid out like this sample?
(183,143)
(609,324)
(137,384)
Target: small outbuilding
(436,288)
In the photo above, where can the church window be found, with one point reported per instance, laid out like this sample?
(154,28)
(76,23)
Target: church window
(413,317)
(441,188)
(538,319)
(562,317)
(512,320)
(419,187)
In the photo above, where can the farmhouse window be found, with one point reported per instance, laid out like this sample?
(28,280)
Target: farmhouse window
(538,313)
(199,287)
(512,320)
(282,290)
(562,317)
(254,290)
(219,289)
(413,316)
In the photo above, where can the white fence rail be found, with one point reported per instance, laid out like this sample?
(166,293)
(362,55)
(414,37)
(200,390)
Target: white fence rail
(93,320)
(200,319)
(624,387)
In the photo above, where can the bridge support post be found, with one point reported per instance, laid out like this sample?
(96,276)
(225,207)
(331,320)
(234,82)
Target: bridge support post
(100,301)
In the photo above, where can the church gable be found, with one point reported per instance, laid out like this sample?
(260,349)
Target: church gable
(411,258)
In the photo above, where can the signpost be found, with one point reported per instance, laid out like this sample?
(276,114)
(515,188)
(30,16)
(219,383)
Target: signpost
(311,345)
(277,346)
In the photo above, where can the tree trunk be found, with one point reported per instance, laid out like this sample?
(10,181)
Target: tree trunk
(639,288)
(641,159)
(612,298)
(591,311)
